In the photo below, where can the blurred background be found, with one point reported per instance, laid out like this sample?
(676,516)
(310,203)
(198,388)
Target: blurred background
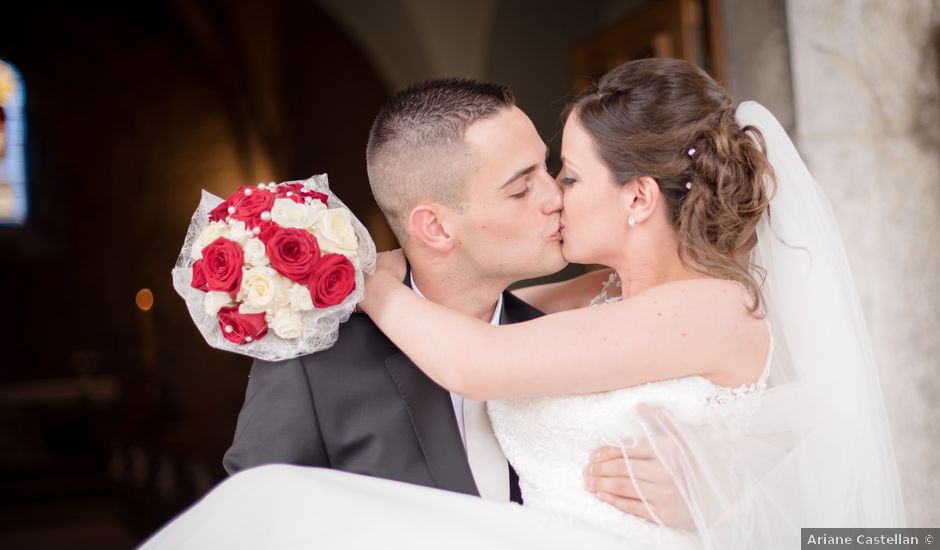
(114,414)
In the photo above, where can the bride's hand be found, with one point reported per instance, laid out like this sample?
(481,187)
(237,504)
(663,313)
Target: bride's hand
(609,479)
(389,272)
(392,262)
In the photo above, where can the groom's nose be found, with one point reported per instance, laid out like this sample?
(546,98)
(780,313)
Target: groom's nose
(551,202)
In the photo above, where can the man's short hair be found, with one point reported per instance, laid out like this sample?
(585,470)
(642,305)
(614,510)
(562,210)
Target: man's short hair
(416,150)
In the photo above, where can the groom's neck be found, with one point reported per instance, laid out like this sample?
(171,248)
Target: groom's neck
(460,292)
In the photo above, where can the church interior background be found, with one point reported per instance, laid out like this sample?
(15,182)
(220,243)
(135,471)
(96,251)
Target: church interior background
(114,414)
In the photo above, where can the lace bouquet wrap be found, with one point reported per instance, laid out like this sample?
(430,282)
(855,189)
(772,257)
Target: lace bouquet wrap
(274,269)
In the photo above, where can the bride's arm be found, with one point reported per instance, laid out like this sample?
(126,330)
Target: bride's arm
(564,295)
(656,335)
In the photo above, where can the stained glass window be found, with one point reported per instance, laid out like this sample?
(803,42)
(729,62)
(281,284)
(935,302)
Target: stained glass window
(13,198)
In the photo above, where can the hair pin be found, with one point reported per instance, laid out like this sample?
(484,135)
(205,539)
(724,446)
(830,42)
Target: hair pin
(692,151)
(688,185)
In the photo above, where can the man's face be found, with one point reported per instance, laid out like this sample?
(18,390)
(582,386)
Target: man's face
(509,226)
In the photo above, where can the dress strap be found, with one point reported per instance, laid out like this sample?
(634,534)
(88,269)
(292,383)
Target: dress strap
(603,297)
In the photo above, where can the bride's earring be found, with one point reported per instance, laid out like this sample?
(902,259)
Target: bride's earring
(631,221)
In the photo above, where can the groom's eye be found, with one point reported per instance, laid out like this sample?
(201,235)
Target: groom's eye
(521,194)
(567,181)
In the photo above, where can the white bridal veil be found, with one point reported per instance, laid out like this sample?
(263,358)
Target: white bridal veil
(817,452)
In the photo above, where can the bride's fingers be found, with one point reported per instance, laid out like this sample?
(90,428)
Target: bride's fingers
(628,505)
(660,445)
(643,470)
(613,467)
(623,487)
(642,449)
(602,454)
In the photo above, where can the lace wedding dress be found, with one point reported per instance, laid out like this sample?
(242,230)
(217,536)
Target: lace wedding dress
(548,440)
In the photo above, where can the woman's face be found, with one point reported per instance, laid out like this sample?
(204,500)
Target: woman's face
(594,215)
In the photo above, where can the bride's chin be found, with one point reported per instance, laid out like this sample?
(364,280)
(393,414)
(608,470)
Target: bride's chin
(575,256)
(568,253)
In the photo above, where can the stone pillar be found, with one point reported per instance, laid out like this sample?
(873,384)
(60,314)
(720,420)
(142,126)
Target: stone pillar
(867,117)
(758,56)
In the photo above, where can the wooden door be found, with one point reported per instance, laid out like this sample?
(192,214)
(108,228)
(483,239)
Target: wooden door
(684,29)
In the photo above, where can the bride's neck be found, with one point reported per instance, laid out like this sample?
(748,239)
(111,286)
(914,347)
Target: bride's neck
(650,266)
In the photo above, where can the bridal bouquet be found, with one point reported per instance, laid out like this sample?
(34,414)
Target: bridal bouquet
(274,269)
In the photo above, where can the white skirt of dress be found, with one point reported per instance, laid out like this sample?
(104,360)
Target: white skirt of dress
(287,507)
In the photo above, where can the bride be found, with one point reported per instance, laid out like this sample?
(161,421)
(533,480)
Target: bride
(727,343)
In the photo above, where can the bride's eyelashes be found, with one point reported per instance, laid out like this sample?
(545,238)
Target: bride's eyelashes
(565,180)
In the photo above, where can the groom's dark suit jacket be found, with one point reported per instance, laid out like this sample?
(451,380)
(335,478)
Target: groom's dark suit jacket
(360,406)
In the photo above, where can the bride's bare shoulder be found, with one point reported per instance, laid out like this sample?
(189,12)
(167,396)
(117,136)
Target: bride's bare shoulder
(701,292)
(731,338)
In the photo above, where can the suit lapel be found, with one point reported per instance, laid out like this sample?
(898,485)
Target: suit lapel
(432,417)
(432,413)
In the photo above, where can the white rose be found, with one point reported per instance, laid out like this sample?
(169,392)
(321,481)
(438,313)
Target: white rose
(334,232)
(211,232)
(282,298)
(246,309)
(262,289)
(288,213)
(286,323)
(255,254)
(300,298)
(239,232)
(216,301)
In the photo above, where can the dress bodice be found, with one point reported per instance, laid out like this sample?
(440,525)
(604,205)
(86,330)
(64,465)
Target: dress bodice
(548,440)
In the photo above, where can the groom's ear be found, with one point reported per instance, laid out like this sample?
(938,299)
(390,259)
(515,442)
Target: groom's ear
(427,226)
(639,197)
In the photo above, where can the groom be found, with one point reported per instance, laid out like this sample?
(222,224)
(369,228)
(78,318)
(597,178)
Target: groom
(459,172)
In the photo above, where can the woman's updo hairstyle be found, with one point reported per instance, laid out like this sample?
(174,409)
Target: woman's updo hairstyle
(668,120)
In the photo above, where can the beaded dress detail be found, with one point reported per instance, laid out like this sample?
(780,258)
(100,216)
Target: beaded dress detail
(548,440)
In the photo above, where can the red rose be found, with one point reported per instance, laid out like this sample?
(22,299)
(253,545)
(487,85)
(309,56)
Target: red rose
(296,197)
(293,188)
(247,204)
(292,252)
(318,196)
(199,276)
(241,328)
(267,230)
(250,202)
(220,212)
(222,265)
(333,278)
(298,193)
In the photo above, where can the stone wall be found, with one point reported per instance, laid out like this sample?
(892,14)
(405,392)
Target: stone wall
(867,117)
